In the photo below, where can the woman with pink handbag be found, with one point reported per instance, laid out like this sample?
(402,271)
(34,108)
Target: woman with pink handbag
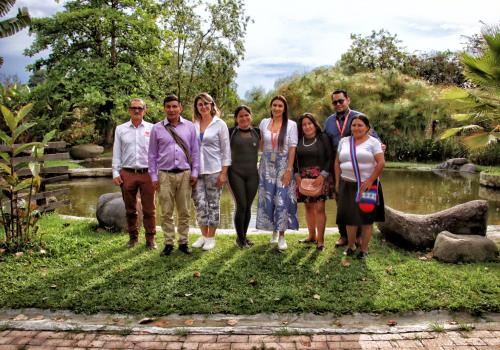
(314,183)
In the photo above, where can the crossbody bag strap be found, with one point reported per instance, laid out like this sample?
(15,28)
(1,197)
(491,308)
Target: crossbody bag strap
(180,142)
(355,167)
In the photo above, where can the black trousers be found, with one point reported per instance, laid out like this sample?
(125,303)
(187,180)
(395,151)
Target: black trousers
(244,187)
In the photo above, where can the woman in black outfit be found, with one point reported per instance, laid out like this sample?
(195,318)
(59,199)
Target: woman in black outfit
(312,161)
(242,175)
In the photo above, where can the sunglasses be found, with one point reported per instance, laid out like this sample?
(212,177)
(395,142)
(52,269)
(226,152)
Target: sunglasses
(137,109)
(338,102)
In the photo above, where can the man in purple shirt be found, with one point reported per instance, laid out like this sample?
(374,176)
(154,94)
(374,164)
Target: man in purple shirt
(174,163)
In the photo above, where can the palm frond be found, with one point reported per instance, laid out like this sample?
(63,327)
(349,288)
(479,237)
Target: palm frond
(5,6)
(13,25)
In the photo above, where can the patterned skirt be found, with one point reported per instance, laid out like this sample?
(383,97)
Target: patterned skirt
(277,205)
(328,186)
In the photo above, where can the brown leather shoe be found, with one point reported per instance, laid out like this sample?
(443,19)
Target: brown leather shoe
(341,242)
(151,245)
(132,243)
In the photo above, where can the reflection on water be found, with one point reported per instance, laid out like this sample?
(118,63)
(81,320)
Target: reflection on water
(409,191)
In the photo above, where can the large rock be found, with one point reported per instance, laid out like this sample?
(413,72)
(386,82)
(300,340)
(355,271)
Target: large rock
(489,180)
(468,168)
(420,231)
(86,151)
(457,164)
(453,248)
(111,214)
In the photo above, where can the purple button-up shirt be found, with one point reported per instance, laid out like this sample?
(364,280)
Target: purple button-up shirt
(166,154)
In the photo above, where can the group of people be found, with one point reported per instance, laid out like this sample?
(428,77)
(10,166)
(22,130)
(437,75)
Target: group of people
(186,160)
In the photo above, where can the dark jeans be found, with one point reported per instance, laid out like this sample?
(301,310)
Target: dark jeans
(133,183)
(244,188)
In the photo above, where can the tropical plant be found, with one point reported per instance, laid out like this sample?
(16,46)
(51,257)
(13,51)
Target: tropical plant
(11,26)
(480,104)
(18,214)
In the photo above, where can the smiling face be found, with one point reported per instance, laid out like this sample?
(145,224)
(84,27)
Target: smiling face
(244,119)
(204,107)
(277,108)
(358,128)
(308,128)
(136,110)
(340,102)
(173,110)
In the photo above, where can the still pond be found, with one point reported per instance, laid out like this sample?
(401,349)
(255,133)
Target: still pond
(418,192)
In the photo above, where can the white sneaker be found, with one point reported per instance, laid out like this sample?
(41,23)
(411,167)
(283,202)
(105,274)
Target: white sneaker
(282,243)
(199,242)
(274,238)
(209,243)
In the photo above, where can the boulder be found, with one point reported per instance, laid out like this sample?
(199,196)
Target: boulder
(468,168)
(489,180)
(111,214)
(86,151)
(420,231)
(457,164)
(453,248)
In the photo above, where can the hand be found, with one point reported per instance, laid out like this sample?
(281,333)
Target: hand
(118,180)
(384,147)
(285,180)
(156,186)
(317,181)
(365,186)
(193,180)
(221,180)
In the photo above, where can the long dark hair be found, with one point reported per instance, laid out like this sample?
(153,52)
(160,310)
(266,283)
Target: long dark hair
(313,120)
(284,122)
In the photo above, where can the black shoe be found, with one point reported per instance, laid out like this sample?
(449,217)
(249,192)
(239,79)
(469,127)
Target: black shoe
(249,243)
(167,250)
(241,244)
(185,249)
(362,255)
(349,251)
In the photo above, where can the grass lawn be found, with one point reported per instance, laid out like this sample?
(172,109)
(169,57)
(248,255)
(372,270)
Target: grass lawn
(87,271)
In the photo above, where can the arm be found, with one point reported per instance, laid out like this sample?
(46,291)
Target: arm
(117,159)
(379,159)
(337,173)
(226,154)
(195,155)
(153,159)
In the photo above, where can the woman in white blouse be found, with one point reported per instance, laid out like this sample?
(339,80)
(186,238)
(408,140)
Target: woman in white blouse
(370,163)
(215,158)
(277,206)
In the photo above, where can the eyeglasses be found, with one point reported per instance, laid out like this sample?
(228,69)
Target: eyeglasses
(136,109)
(338,102)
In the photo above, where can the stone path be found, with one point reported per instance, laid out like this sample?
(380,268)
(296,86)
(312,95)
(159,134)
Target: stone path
(25,329)
(448,340)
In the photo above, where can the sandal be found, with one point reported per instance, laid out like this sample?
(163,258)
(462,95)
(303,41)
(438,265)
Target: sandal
(308,241)
(341,242)
(320,248)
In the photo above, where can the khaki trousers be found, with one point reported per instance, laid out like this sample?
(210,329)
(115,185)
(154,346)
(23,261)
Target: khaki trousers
(175,191)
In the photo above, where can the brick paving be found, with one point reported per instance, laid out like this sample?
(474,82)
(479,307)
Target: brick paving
(448,340)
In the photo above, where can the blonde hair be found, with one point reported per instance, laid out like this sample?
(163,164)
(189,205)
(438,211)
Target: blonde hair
(207,98)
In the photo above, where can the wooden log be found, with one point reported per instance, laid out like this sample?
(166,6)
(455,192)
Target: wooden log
(420,231)
(54,156)
(44,171)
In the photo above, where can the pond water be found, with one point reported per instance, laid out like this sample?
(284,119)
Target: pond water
(409,191)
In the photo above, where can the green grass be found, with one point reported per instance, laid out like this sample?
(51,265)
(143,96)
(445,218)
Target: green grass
(89,271)
(492,170)
(410,165)
(436,327)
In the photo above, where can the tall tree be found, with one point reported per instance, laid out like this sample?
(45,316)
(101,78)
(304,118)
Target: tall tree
(11,26)
(208,45)
(101,53)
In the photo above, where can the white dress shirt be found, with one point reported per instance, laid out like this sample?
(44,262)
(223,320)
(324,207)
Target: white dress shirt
(131,145)
(215,150)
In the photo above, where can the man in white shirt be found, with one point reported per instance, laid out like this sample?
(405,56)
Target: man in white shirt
(130,172)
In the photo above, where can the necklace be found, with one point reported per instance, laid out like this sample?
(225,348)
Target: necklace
(309,145)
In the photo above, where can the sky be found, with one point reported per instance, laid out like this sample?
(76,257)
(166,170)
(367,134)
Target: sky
(295,36)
